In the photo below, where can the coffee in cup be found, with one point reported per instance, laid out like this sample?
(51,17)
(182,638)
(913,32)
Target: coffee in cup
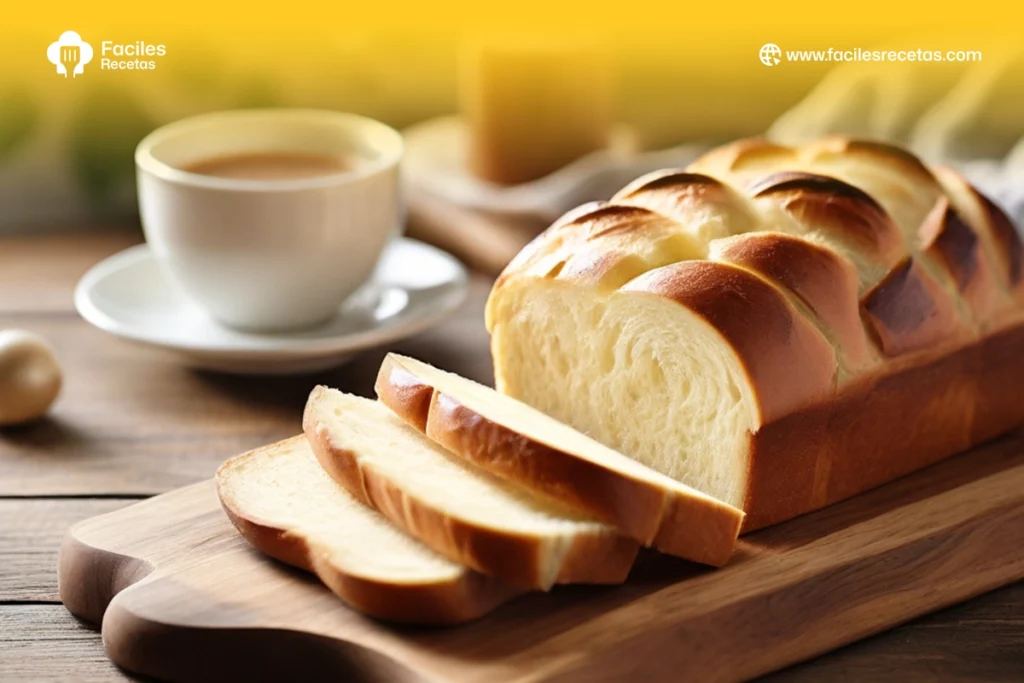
(270,219)
(271,165)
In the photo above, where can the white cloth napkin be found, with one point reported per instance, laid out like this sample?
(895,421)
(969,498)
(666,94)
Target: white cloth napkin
(1002,182)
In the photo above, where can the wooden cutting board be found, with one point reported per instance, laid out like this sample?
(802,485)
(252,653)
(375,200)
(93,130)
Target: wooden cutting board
(182,597)
(485,242)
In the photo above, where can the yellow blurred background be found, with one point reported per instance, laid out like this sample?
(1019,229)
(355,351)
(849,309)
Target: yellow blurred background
(683,72)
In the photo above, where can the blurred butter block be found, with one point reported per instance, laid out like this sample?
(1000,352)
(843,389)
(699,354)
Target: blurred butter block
(533,106)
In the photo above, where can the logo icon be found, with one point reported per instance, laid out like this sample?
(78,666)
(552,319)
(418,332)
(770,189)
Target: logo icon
(770,54)
(69,54)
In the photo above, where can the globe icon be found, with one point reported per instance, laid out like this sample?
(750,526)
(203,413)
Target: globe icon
(770,54)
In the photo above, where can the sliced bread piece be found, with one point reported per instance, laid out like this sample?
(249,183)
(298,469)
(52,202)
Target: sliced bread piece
(455,508)
(285,505)
(521,444)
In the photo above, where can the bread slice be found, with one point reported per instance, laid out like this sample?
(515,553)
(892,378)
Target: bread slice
(521,444)
(458,510)
(284,504)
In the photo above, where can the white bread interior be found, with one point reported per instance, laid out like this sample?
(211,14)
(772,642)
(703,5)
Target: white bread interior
(283,502)
(641,354)
(428,492)
(284,487)
(519,443)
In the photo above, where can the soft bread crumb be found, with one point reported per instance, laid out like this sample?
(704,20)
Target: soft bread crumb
(648,379)
(285,488)
(425,477)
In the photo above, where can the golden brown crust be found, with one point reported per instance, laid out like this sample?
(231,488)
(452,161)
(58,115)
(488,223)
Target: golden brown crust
(540,256)
(683,186)
(694,527)
(788,475)
(743,157)
(996,288)
(946,238)
(600,262)
(278,543)
(596,245)
(879,428)
(680,195)
(516,558)
(1008,240)
(894,158)
(1000,405)
(408,396)
(822,279)
(519,559)
(403,392)
(467,597)
(788,361)
(822,203)
(898,421)
(606,269)
(907,311)
(633,506)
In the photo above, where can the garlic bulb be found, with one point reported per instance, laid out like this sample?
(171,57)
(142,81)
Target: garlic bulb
(30,376)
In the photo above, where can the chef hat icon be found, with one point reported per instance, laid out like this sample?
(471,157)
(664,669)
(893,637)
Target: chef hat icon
(76,58)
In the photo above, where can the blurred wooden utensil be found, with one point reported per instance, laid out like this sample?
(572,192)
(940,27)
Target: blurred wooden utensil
(485,242)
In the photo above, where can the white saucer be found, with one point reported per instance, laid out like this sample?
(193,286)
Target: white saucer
(414,287)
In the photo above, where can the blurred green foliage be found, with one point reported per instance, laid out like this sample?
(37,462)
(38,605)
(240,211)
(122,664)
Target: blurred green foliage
(19,118)
(106,128)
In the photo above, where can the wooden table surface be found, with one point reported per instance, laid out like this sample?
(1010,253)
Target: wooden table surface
(131,423)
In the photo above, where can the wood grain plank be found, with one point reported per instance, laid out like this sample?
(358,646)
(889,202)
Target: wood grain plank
(815,583)
(132,421)
(45,643)
(38,272)
(30,534)
(981,640)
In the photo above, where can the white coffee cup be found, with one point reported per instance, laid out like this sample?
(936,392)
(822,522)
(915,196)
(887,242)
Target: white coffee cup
(270,255)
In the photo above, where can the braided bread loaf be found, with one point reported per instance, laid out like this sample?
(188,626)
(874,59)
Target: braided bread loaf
(779,327)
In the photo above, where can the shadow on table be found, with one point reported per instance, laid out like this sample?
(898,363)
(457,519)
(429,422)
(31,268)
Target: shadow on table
(45,434)
(356,377)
